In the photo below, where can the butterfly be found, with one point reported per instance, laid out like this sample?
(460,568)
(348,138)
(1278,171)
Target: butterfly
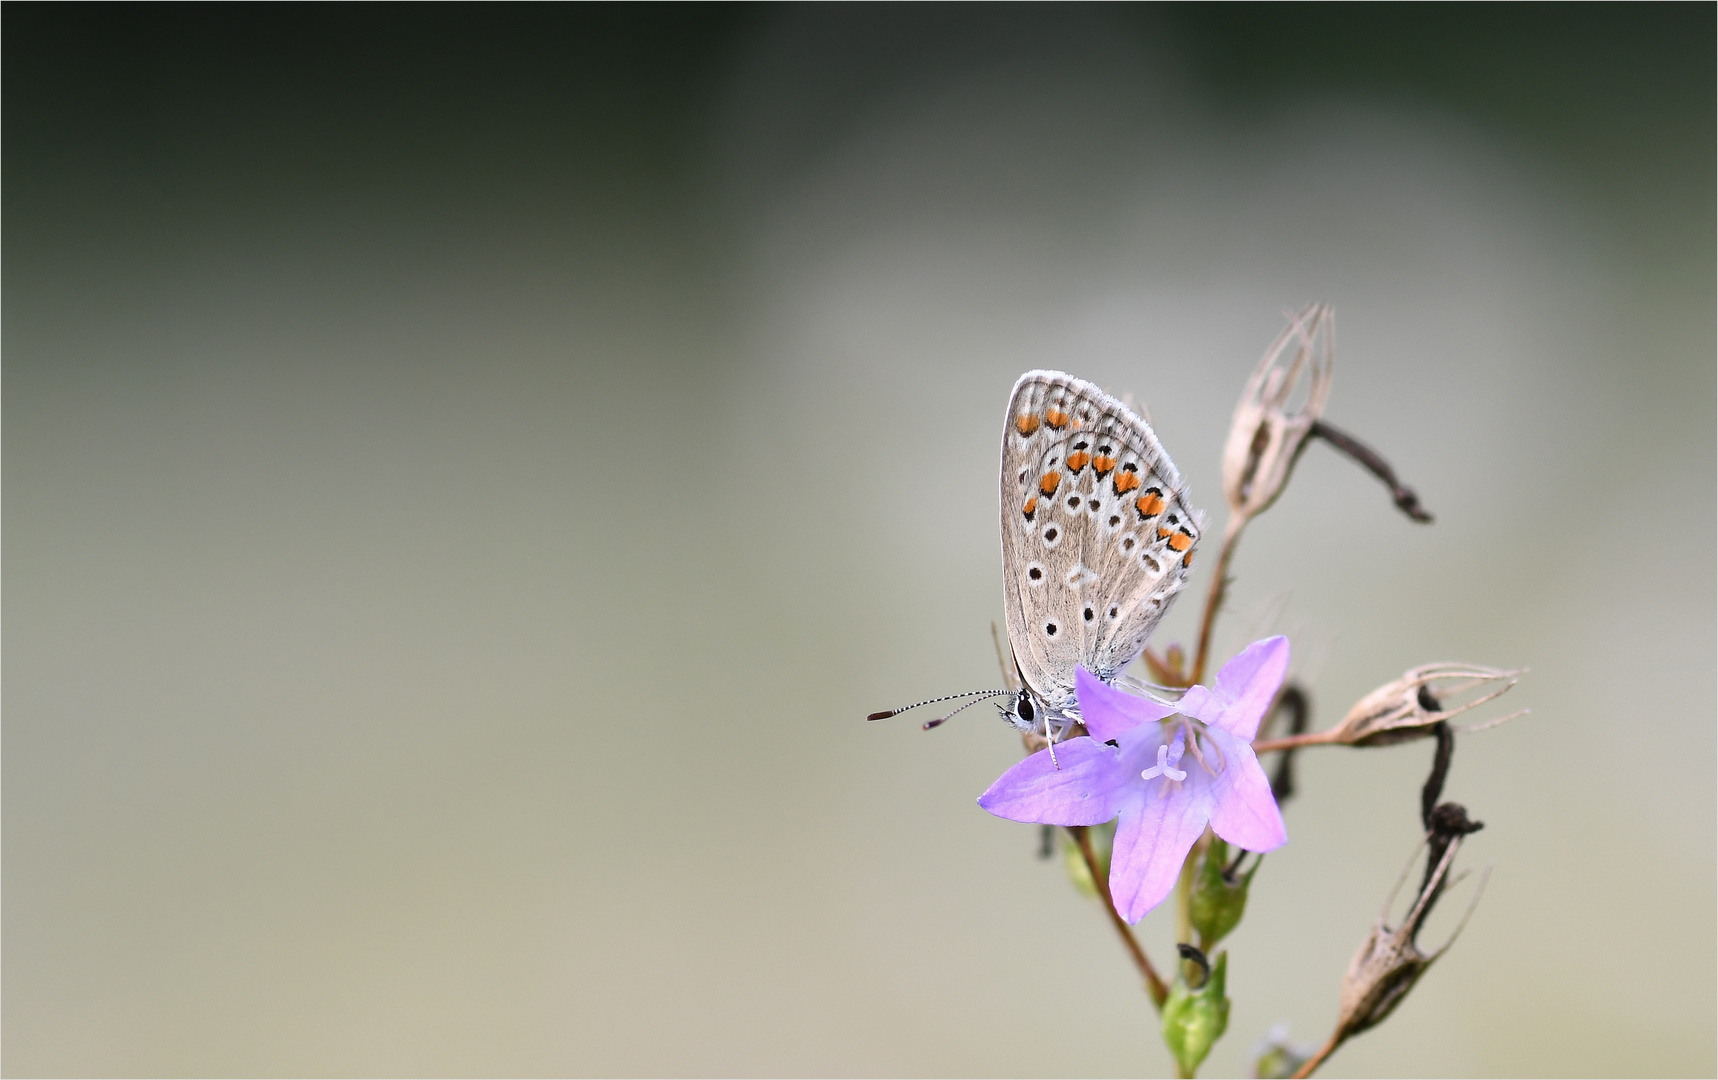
(1097,539)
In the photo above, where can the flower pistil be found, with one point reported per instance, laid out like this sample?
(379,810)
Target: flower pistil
(1166,763)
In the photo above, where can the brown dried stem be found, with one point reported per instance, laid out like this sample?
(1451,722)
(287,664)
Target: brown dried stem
(1317,1059)
(1154,984)
(1214,598)
(1293,742)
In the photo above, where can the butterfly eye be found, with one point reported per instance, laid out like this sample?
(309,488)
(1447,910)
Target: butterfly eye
(1024,709)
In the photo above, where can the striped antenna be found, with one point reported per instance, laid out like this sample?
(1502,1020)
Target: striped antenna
(933,723)
(980,694)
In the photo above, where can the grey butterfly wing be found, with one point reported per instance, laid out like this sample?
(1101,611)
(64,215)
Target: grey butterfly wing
(1097,536)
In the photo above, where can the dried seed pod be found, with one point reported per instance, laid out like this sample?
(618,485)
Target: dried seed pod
(1389,963)
(1409,707)
(1265,437)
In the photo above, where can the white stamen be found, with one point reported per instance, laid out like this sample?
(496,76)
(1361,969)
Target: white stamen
(1163,768)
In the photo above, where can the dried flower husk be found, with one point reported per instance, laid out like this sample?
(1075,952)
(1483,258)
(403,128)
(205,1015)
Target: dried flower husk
(1410,706)
(1265,437)
(1388,962)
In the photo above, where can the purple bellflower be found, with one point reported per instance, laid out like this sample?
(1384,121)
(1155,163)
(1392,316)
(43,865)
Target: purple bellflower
(1161,771)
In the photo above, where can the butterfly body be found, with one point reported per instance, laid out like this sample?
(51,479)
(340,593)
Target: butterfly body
(1097,539)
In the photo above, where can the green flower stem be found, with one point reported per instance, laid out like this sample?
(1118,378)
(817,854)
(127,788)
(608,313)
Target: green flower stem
(1154,984)
(1184,905)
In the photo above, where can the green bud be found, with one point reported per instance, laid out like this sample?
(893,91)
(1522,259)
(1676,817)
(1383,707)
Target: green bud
(1103,839)
(1193,1020)
(1276,1058)
(1218,901)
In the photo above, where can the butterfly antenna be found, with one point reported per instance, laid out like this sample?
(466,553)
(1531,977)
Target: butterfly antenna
(980,694)
(1001,662)
(933,723)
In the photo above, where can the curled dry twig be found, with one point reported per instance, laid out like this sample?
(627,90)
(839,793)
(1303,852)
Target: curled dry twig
(1373,462)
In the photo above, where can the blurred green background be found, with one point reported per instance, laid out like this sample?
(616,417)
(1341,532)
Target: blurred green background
(468,472)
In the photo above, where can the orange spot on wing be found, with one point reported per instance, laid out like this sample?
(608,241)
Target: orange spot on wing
(1182,540)
(1103,465)
(1162,532)
(1077,460)
(1030,508)
(1126,482)
(1026,425)
(1055,419)
(1050,482)
(1187,560)
(1149,505)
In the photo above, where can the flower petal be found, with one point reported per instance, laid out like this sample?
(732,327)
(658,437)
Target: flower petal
(1245,688)
(1153,835)
(1086,790)
(1246,813)
(1107,712)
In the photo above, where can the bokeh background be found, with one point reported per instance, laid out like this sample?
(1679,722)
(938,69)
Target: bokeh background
(468,472)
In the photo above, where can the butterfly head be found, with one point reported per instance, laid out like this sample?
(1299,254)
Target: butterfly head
(1029,713)
(1021,710)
